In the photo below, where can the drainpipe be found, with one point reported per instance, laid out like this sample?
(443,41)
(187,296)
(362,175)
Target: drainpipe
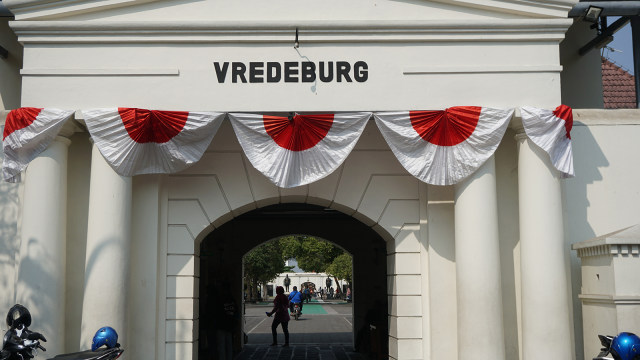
(635,35)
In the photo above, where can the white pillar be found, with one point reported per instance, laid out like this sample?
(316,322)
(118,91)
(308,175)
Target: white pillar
(107,258)
(41,274)
(479,289)
(546,323)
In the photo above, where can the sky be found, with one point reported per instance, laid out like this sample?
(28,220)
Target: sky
(623,45)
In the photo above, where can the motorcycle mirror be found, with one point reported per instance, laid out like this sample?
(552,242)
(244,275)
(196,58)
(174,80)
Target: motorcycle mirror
(605,340)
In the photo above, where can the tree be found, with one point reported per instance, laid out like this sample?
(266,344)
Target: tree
(312,254)
(341,268)
(262,264)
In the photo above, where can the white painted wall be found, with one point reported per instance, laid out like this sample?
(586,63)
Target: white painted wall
(429,67)
(10,67)
(10,200)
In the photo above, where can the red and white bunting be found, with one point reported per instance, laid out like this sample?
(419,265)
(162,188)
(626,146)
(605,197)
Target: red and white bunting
(551,131)
(27,132)
(138,141)
(298,150)
(445,146)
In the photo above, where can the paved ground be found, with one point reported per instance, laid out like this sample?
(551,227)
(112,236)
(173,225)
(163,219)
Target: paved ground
(324,332)
(300,351)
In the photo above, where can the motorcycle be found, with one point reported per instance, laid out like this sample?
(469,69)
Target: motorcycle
(29,349)
(296,311)
(20,343)
(624,346)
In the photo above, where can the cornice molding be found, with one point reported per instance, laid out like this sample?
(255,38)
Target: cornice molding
(31,9)
(42,9)
(606,117)
(284,32)
(553,8)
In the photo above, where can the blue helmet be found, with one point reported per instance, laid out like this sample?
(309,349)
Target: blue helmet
(625,346)
(105,336)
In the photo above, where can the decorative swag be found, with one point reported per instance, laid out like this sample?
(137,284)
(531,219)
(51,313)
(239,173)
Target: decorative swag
(440,147)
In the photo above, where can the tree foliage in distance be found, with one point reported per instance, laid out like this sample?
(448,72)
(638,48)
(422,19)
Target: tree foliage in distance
(267,261)
(312,254)
(341,268)
(262,264)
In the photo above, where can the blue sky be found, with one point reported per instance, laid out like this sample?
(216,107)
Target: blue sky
(622,43)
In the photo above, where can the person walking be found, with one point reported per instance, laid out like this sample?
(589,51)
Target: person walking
(280,308)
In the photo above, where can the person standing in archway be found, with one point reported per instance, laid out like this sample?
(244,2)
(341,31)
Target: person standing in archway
(281,309)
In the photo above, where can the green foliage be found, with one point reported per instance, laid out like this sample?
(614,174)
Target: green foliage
(263,263)
(312,255)
(341,267)
(266,262)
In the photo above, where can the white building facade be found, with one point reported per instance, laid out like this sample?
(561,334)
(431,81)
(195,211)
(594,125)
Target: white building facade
(480,269)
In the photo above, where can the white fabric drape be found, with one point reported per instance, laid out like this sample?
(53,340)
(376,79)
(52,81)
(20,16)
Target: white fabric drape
(439,147)
(299,149)
(27,132)
(551,131)
(443,147)
(139,141)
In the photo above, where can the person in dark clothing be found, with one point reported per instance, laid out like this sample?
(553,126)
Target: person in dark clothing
(307,294)
(280,308)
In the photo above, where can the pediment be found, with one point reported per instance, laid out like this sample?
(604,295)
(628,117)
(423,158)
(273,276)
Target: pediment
(286,10)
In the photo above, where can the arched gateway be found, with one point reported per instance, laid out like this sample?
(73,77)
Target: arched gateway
(221,208)
(222,250)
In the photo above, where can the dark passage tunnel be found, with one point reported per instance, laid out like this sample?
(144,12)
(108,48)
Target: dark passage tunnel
(221,254)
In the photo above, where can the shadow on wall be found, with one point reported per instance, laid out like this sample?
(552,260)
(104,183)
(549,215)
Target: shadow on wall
(588,159)
(34,268)
(9,241)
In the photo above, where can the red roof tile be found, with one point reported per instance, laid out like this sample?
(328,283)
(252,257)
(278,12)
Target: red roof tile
(618,87)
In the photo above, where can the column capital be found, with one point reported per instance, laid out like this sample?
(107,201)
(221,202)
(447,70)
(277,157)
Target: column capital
(69,128)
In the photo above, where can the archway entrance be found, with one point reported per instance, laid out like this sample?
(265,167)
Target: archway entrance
(221,255)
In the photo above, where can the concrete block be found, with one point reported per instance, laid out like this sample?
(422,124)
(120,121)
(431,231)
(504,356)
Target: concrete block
(381,190)
(180,240)
(393,347)
(409,305)
(189,213)
(404,284)
(182,309)
(324,190)
(181,265)
(181,286)
(297,194)
(359,167)
(181,330)
(229,170)
(206,189)
(410,349)
(179,351)
(403,264)
(264,191)
(399,213)
(406,327)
